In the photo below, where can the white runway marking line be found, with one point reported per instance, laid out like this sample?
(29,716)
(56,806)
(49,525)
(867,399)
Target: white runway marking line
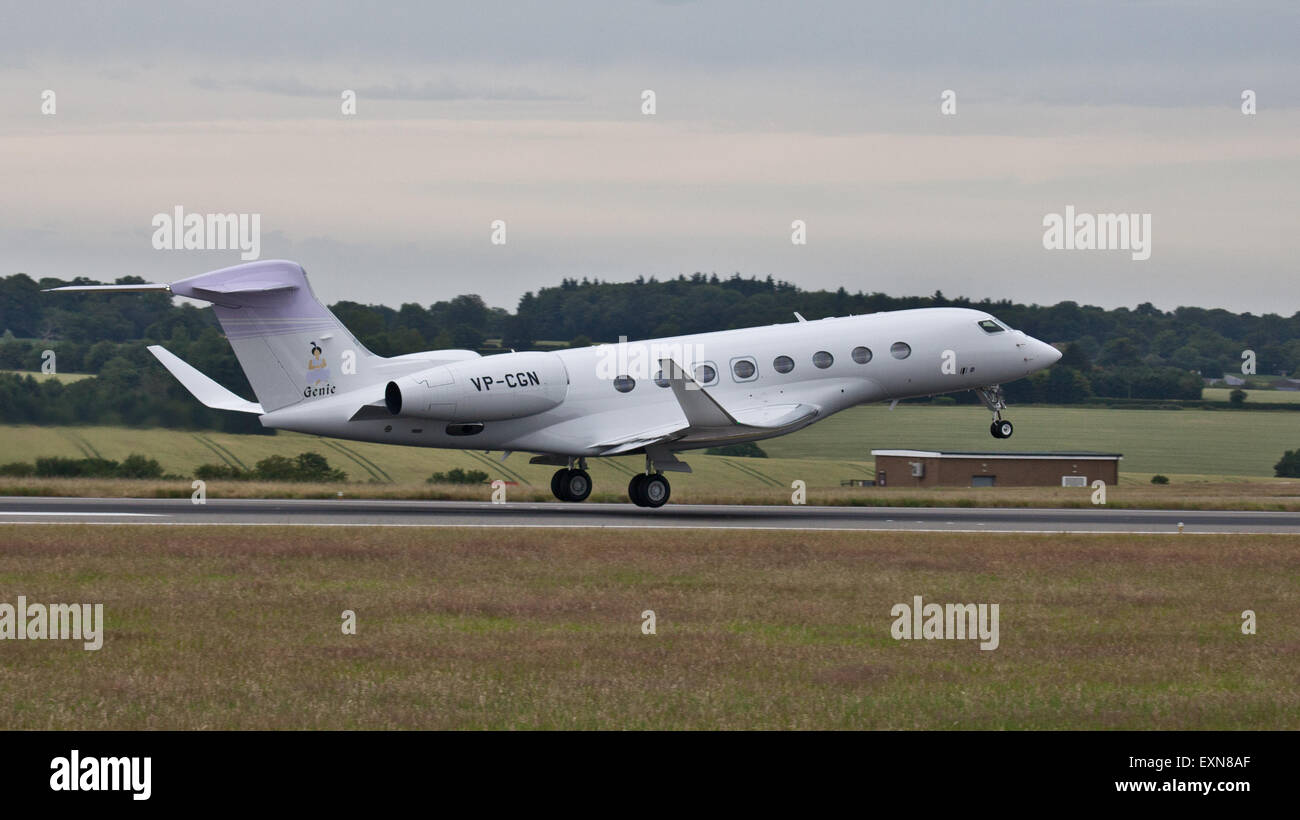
(635,527)
(118,514)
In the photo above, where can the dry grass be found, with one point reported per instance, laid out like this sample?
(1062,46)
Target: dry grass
(1186,493)
(239,628)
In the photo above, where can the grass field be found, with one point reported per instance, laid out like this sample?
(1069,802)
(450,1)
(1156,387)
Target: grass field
(1186,442)
(1183,493)
(1235,451)
(240,628)
(66,378)
(180,452)
(1209,442)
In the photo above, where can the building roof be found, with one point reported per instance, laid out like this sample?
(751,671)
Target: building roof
(1078,455)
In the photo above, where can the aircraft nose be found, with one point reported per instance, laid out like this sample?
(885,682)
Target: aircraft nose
(1044,353)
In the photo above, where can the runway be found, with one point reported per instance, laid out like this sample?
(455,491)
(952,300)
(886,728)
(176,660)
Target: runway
(371,513)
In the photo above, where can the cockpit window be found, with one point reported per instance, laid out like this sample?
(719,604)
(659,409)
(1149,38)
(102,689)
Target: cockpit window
(990,326)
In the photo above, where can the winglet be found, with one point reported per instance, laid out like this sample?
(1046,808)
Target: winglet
(204,389)
(700,408)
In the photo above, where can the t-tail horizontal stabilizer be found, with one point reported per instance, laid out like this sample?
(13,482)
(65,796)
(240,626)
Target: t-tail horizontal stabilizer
(146,287)
(204,389)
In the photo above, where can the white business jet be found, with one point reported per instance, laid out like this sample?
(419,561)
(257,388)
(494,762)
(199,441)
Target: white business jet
(656,397)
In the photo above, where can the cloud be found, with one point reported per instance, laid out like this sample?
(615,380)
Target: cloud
(827,112)
(443,89)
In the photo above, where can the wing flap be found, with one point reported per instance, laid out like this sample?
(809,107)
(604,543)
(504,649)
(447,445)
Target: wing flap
(624,444)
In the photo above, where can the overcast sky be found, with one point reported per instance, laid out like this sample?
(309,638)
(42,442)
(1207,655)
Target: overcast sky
(766,113)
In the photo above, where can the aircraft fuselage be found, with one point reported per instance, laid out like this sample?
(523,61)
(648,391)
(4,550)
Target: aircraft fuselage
(571,402)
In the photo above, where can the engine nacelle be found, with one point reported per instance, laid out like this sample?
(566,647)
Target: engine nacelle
(491,388)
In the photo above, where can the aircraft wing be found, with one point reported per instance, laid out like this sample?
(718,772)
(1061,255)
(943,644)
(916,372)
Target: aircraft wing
(706,418)
(700,408)
(705,413)
(204,389)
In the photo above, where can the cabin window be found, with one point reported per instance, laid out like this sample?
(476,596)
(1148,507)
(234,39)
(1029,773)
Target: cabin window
(660,380)
(990,326)
(861,355)
(706,374)
(783,364)
(743,370)
(822,359)
(900,350)
(624,384)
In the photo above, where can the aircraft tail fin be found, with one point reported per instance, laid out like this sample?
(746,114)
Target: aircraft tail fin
(290,345)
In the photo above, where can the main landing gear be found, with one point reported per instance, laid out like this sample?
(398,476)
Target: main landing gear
(648,489)
(995,401)
(572,483)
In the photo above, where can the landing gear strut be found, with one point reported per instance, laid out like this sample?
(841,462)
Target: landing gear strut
(995,401)
(649,489)
(572,483)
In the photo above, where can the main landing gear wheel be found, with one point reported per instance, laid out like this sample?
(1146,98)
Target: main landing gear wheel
(1001,429)
(571,485)
(649,490)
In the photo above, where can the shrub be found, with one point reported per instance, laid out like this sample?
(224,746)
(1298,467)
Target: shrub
(747,449)
(305,467)
(212,472)
(315,467)
(135,466)
(1237,397)
(1159,479)
(60,467)
(138,466)
(275,468)
(1289,466)
(458,476)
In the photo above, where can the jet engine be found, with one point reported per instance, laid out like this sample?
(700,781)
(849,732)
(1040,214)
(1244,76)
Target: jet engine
(491,388)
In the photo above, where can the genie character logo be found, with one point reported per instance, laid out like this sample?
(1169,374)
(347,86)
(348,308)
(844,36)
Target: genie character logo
(318,375)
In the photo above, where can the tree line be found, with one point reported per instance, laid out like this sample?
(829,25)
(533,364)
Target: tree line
(1139,353)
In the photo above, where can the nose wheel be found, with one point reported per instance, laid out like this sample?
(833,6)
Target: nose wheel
(995,401)
(649,490)
(571,484)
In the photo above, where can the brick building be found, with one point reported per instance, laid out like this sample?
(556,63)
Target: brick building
(932,468)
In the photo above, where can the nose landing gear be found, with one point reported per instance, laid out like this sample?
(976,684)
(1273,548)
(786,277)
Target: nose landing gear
(995,401)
